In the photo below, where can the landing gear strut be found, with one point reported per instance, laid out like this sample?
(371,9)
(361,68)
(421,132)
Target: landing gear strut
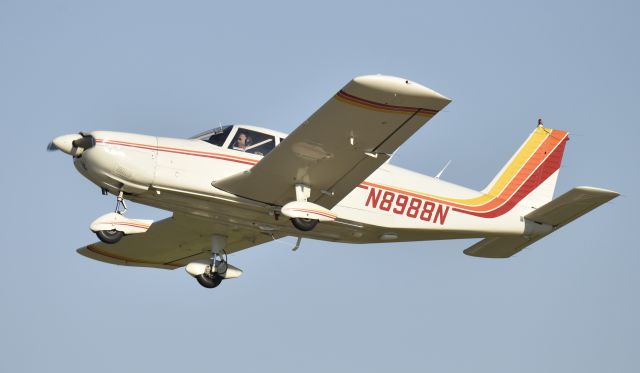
(216,271)
(113,236)
(305,215)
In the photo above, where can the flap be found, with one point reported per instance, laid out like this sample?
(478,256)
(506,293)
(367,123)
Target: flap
(172,243)
(341,144)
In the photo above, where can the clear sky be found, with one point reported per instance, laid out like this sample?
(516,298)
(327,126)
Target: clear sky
(568,303)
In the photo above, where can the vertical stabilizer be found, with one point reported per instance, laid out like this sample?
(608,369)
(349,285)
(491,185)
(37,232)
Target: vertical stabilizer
(530,175)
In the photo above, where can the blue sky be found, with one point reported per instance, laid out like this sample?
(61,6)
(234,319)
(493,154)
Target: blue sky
(569,303)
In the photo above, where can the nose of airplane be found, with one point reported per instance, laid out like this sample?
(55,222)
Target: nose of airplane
(73,144)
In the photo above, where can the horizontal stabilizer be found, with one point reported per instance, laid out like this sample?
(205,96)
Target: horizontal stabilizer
(500,247)
(557,213)
(571,205)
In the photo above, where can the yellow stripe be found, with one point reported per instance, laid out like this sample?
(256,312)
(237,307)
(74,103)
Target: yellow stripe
(528,149)
(519,161)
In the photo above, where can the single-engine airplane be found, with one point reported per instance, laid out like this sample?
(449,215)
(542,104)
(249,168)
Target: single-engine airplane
(235,187)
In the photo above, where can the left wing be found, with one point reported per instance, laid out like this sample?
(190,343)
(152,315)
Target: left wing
(341,144)
(173,242)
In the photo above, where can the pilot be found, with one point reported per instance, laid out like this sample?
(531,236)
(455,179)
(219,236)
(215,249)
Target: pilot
(242,142)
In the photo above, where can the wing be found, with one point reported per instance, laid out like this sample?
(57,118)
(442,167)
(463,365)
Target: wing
(173,242)
(557,213)
(341,144)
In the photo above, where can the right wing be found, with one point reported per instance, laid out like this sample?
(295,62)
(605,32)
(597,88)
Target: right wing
(557,213)
(173,242)
(341,144)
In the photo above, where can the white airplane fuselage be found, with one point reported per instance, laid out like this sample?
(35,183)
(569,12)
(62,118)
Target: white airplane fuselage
(177,174)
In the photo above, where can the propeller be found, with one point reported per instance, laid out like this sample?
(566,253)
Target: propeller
(73,144)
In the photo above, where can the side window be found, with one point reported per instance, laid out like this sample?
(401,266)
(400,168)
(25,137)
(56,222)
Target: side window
(219,137)
(252,142)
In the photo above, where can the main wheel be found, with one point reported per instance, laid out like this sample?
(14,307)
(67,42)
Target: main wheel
(110,237)
(304,224)
(209,281)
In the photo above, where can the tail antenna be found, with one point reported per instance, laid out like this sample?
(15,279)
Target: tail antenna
(443,168)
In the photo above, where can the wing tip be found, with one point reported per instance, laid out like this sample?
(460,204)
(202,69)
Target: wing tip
(600,191)
(394,84)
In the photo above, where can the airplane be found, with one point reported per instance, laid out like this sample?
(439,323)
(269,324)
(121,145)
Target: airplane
(238,186)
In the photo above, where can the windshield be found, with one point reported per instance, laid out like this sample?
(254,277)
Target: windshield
(216,136)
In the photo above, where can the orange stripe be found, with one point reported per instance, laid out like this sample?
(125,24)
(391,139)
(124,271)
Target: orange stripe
(538,159)
(329,215)
(139,225)
(347,98)
(108,254)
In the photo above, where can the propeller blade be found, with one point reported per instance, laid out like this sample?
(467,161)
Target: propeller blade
(52,147)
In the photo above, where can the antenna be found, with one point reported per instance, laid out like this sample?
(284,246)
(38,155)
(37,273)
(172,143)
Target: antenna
(443,168)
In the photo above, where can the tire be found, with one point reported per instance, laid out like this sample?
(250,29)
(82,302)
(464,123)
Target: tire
(110,237)
(304,225)
(209,281)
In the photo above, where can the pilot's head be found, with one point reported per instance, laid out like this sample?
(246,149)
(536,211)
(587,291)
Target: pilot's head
(242,141)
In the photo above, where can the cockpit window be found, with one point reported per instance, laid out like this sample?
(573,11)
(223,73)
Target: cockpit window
(215,136)
(253,142)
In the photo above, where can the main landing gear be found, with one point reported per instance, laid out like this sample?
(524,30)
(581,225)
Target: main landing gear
(111,227)
(112,236)
(212,276)
(306,215)
(304,224)
(210,273)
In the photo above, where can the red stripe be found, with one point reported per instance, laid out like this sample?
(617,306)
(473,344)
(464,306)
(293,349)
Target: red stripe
(181,151)
(551,165)
(139,225)
(332,216)
(548,166)
(379,105)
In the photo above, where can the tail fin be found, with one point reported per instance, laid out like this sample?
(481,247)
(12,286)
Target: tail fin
(530,175)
